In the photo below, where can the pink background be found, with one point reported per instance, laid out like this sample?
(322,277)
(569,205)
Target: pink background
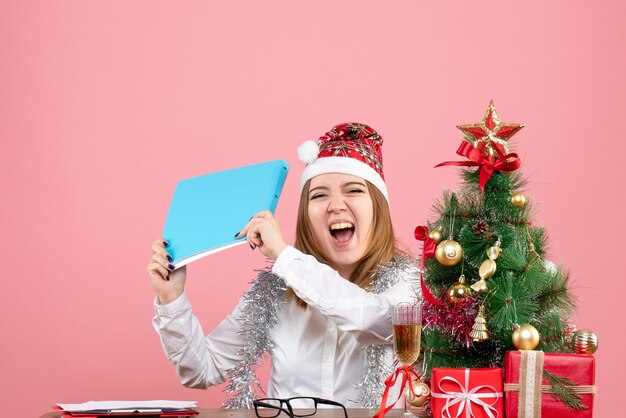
(105,105)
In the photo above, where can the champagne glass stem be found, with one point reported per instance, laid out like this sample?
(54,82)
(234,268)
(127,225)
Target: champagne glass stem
(407,393)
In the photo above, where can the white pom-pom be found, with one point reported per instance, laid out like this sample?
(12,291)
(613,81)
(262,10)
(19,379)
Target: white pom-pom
(308,151)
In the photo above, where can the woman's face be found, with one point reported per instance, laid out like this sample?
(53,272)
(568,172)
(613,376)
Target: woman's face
(341,214)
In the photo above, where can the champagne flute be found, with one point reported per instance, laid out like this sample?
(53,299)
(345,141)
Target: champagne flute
(407,331)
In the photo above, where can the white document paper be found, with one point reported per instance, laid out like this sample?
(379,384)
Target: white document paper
(113,405)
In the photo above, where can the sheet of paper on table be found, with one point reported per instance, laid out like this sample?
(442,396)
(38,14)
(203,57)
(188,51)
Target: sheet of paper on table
(113,405)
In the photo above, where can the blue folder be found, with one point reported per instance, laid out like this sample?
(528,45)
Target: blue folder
(207,211)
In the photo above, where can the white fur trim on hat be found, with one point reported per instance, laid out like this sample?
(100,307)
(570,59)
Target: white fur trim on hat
(308,151)
(345,165)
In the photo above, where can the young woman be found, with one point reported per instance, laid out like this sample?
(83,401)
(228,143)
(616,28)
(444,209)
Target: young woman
(323,310)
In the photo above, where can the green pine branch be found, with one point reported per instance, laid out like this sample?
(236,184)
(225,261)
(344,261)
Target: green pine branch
(499,181)
(514,253)
(539,239)
(439,350)
(556,293)
(511,304)
(562,389)
(471,206)
(553,336)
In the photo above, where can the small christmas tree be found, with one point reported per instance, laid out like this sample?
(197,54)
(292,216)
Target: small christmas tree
(486,241)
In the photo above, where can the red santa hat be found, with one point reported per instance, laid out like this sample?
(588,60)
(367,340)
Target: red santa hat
(348,148)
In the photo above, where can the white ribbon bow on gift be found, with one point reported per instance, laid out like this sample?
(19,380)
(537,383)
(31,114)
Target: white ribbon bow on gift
(465,398)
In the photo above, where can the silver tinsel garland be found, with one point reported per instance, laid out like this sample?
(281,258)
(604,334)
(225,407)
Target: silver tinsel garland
(372,385)
(260,313)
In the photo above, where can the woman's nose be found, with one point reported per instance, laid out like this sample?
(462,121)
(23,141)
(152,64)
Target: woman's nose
(336,204)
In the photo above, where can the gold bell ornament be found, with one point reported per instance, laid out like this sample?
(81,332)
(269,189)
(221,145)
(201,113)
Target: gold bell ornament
(479,330)
(458,290)
(525,337)
(585,341)
(518,200)
(449,252)
(487,268)
(420,393)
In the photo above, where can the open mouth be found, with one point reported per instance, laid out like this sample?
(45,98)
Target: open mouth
(342,231)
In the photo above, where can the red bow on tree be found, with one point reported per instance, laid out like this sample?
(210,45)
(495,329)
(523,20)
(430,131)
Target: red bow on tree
(488,165)
(421,234)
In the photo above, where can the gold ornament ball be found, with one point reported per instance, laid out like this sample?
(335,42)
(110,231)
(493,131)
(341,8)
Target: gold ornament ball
(458,291)
(518,200)
(449,252)
(423,393)
(436,235)
(526,337)
(585,341)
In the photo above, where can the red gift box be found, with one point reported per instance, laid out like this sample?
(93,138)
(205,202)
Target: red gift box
(473,393)
(534,391)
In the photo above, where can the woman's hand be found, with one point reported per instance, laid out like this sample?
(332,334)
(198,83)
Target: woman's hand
(168,283)
(263,231)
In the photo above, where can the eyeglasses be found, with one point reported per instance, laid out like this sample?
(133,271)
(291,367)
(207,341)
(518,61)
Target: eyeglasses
(305,406)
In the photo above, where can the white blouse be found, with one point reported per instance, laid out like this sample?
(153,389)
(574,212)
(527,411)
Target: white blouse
(318,351)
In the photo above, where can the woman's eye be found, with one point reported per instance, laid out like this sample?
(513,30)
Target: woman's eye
(317,196)
(355,191)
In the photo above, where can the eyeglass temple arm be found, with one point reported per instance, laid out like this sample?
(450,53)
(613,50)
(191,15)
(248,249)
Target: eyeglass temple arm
(329,402)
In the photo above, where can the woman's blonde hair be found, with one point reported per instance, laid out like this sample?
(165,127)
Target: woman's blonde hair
(380,249)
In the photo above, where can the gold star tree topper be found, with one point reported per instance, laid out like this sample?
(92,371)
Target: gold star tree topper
(490,136)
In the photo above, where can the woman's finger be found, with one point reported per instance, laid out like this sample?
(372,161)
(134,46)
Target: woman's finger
(156,269)
(242,233)
(250,237)
(253,237)
(258,217)
(265,214)
(164,262)
(251,224)
(161,243)
(165,274)
(158,248)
